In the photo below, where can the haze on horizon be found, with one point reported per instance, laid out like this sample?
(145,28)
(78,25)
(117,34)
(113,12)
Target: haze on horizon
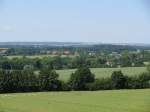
(107,21)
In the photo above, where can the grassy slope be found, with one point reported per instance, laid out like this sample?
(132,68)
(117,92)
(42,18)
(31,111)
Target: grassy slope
(104,72)
(100,101)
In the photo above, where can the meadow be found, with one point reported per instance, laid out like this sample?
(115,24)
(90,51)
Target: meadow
(97,101)
(103,72)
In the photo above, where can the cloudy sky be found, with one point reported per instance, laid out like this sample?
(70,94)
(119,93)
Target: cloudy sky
(108,21)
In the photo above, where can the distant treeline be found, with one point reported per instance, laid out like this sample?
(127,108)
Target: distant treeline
(58,62)
(16,49)
(90,55)
(81,80)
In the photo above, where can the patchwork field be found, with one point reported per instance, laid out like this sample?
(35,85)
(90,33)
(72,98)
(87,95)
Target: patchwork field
(100,101)
(104,72)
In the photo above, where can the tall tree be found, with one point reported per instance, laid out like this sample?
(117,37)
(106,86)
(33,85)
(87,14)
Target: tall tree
(118,80)
(81,78)
(48,80)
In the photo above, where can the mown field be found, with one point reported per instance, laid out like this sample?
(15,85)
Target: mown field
(99,101)
(104,72)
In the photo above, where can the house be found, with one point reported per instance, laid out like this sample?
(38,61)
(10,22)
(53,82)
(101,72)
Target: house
(66,53)
(56,53)
(3,51)
(92,53)
(48,52)
(109,63)
(116,55)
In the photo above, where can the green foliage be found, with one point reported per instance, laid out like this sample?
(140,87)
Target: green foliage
(148,68)
(48,80)
(100,84)
(118,80)
(144,80)
(81,78)
(38,64)
(18,81)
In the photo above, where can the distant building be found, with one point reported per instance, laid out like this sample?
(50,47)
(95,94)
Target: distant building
(56,53)
(91,53)
(48,52)
(115,54)
(3,51)
(66,53)
(109,63)
(42,52)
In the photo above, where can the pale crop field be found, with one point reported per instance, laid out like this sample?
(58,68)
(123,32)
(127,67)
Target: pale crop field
(39,56)
(98,101)
(103,72)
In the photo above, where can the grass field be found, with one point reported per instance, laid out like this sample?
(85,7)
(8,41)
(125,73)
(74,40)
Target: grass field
(104,72)
(39,56)
(100,101)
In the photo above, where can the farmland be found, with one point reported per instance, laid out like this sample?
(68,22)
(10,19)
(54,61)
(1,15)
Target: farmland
(99,101)
(39,56)
(104,72)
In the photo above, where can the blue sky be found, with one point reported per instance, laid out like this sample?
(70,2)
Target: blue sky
(107,21)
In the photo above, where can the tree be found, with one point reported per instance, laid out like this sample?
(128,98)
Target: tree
(29,81)
(144,80)
(118,80)
(132,82)
(28,67)
(148,68)
(100,84)
(9,80)
(37,64)
(81,78)
(57,62)
(6,65)
(48,80)
(80,61)
(1,80)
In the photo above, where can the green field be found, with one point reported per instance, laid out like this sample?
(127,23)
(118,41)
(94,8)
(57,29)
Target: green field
(100,101)
(104,72)
(39,56)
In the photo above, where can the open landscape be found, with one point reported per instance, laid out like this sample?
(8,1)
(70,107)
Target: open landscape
(99,101)
(74,55)
(103,72)
(68,80)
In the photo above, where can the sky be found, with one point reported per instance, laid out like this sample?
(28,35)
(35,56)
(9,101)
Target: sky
(106,21)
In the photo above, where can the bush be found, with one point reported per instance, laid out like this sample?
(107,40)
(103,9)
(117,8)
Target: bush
(133,83)
(100,84)
(144,80)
